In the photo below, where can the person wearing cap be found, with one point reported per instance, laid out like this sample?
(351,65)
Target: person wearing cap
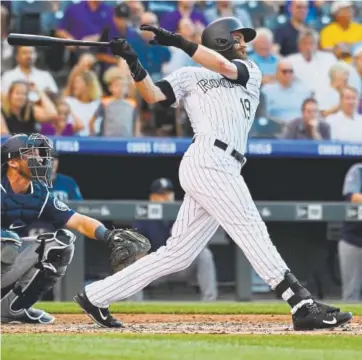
(119,26)
(158,231)
(341,34)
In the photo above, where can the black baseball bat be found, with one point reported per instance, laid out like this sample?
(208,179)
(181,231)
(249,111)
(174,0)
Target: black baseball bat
(40,40)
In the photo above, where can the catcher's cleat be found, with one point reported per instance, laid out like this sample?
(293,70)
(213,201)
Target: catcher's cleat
(29,316)
(101,316)
(319,316)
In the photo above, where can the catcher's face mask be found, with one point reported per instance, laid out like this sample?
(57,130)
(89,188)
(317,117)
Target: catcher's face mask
(38,156)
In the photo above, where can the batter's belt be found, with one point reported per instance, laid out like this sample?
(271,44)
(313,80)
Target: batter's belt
(223,146)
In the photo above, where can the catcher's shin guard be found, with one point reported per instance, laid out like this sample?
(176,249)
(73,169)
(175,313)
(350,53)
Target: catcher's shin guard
(55,252)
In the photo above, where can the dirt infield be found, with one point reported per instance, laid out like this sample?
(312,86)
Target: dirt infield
(179,324)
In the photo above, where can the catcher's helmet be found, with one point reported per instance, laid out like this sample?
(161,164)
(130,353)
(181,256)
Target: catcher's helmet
(217,35)
(36,149)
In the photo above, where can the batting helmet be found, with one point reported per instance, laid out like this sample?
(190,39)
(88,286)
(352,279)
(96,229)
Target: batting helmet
(217,35)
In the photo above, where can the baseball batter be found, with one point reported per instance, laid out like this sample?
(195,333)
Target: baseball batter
(221,99)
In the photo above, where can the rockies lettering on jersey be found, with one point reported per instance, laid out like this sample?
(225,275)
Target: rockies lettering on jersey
(218,107)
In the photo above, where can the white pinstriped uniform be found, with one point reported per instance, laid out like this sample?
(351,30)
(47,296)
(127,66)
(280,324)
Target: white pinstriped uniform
(216,193)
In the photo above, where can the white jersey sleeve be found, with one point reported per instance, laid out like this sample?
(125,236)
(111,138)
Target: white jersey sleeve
(181,83)
(255,76)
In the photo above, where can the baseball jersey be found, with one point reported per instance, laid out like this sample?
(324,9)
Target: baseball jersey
(18,211)
(64,189)
(216,106)
(352,231)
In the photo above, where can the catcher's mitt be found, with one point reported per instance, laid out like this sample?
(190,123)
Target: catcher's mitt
(126,246)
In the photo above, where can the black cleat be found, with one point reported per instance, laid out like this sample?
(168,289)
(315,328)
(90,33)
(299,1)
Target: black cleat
(319,316)
(29,316)
(101,316)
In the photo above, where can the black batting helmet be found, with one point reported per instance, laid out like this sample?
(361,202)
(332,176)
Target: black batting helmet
(36,149)
(217,35)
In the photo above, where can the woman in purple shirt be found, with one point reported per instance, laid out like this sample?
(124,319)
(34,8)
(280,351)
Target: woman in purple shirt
(65,124)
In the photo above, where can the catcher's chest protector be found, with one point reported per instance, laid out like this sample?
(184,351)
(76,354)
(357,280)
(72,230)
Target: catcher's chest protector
(21,208)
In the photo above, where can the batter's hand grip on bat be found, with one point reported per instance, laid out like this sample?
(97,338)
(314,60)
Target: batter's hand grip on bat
(40,40)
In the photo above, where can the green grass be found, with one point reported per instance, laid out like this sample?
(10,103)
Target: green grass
(177,347)
(189,308)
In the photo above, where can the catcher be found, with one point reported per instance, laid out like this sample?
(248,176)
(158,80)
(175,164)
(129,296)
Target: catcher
(28,272)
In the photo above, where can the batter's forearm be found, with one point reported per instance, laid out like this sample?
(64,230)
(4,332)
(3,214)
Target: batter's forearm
(213,61)
(149,91)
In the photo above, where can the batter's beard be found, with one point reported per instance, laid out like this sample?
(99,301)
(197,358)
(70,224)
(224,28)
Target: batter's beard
(233,54)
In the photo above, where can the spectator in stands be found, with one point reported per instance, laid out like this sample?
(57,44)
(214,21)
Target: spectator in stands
(136,9)
(357,63)
(64,187)
(309,126)
(85,20)
(64,124)
(26,71)
(263,56)
(119,27)
(350,245)
(329,100)
(179,58)
(19,114)
(285,97)
(185,8)
(83,94)
(346,124)
(119,114)
(313,9)
(6,49)
(312,66)
(286,36)
(226,8)
(340,35)
(158,231)
(151,57)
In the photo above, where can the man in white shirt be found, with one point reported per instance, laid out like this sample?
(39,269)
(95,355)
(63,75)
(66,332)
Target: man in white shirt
(310,65)
(346,124)
(26,71)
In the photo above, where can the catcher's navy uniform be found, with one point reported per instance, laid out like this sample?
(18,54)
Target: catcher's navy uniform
(28,272)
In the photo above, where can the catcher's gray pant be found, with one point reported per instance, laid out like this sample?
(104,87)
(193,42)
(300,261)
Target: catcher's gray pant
(204,269)
(33,272)
(350,259)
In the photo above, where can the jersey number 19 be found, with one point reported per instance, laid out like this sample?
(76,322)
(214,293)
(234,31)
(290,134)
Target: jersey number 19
(246,108)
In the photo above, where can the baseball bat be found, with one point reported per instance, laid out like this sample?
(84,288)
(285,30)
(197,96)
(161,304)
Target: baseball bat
(40,40)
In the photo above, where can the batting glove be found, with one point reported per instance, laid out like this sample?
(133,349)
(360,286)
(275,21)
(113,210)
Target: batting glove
(168,38)
(121,47)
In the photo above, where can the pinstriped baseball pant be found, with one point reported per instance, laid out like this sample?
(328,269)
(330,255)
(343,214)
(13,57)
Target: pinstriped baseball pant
(216,195)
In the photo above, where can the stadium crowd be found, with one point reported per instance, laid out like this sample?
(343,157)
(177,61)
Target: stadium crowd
(310,54)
